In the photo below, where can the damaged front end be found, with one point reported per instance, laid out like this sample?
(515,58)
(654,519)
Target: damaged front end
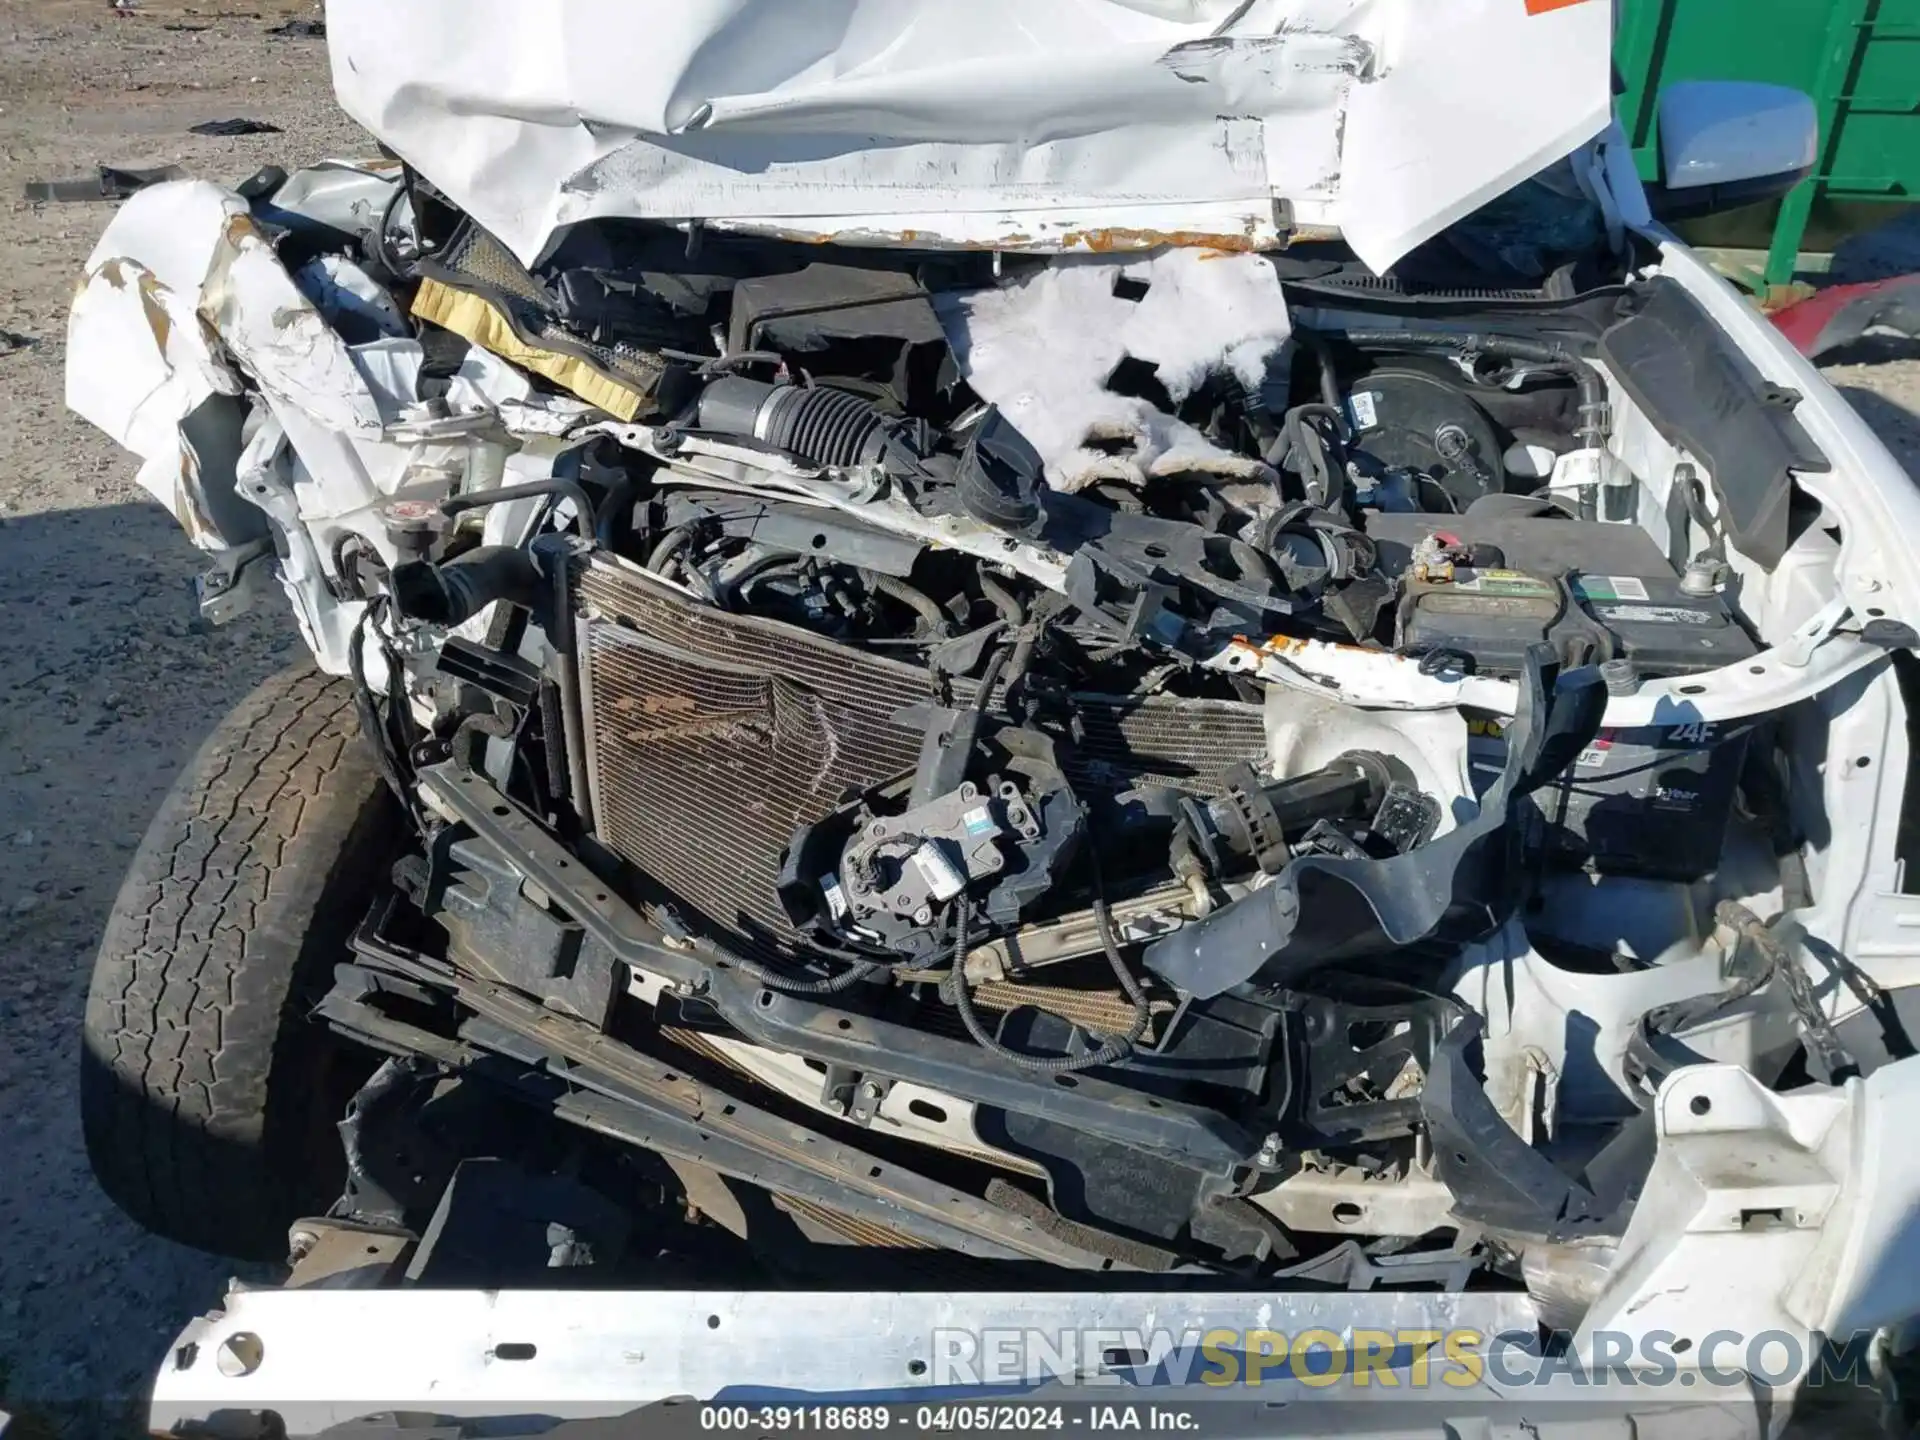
(1207,763)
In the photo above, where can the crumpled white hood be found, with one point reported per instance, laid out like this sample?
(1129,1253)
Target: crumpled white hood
(1062,124)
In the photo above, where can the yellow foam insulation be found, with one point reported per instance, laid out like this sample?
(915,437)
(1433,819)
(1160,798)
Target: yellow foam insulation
(480,322)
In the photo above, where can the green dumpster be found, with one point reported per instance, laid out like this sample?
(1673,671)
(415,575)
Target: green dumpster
(1858,59)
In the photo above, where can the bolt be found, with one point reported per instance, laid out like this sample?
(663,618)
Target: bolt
(870,1090)
(837,1106)
(1269,1150)
(299,1244)
(1621,676)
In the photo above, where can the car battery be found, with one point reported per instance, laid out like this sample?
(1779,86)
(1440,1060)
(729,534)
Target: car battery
(1651,801)
(1486,588)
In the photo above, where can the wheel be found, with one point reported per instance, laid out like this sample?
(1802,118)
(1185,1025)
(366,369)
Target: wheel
(208,1095)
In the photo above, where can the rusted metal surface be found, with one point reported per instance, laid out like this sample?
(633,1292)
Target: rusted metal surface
(851,1228)
(730,1117)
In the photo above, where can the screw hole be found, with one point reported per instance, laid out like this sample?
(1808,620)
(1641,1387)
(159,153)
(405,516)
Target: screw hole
(845,1024)
(1347,1213)
(713,1322)
(1861,762)
(1066,1082)
(916,1367)
(1700,1105)
(501,810)
(239,1354)
(515,1350)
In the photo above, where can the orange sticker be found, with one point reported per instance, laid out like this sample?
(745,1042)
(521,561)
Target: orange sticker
(1541,7)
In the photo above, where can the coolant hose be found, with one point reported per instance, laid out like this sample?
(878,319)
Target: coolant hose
(456,590)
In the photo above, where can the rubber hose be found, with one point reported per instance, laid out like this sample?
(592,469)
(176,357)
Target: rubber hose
(1002,599)
(556,487)
(916,600)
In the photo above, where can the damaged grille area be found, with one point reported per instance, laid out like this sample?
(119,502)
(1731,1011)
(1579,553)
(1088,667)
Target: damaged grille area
(712,736)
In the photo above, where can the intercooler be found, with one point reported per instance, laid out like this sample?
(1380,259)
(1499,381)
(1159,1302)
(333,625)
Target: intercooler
(711,736)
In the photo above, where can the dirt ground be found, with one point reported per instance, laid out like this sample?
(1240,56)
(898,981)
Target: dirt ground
(108,681)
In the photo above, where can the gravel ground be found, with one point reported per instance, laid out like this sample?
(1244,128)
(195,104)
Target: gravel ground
(107,679)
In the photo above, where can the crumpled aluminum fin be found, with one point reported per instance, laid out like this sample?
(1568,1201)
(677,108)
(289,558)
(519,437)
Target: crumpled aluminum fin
(713,736)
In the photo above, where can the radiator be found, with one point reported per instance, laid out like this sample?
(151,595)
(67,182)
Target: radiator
(711,737)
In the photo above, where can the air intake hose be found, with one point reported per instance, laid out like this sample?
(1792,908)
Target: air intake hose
(819,423)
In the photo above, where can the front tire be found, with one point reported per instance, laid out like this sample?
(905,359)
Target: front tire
(207,1093)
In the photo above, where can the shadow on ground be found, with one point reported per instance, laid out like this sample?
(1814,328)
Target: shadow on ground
(108,683)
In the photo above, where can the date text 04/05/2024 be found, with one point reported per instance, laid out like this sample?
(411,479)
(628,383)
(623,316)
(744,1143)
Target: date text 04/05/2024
(996,1416)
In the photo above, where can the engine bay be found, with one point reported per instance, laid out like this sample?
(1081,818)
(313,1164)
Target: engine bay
(1134,741)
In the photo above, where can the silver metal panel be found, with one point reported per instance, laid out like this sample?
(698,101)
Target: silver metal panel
(319,1358)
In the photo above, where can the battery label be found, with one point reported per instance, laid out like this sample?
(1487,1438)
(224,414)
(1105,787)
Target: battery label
(1610,587)
(1366,410)
(1655,614)
(1501,582)
(1595,755)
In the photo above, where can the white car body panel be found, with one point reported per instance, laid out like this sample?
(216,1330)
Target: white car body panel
(1077,125)
(1383,119)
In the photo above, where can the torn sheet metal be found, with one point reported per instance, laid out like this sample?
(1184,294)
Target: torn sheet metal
(154,340)
(184,305)
(1187,313)
(1093,125)
(141,366)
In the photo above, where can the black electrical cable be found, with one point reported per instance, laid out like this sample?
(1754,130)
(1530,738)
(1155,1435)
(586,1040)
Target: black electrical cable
(786,984)
(558,487)
(369,715)
(1116,1048)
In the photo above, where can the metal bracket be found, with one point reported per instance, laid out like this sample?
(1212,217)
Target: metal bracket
(233,582)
